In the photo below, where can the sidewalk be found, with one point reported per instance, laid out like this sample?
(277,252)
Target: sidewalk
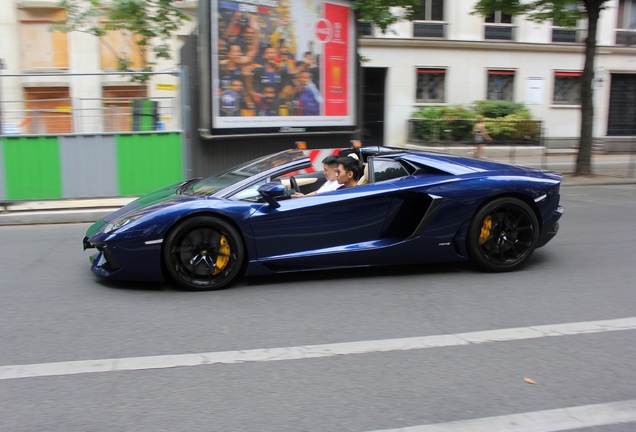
(59,211)
(608,170)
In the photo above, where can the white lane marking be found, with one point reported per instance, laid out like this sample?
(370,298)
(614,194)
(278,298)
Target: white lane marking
(562,419)
(312,351)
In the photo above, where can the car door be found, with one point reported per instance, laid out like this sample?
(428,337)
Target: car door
(321,225)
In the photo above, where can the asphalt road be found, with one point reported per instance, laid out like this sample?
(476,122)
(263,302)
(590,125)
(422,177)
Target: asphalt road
(400,344)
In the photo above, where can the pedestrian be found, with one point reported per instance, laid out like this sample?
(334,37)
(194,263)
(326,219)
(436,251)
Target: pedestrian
(480,136)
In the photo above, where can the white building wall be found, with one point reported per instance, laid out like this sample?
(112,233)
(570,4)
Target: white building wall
(461,24)
(9,53)
(85,90)
(467,57)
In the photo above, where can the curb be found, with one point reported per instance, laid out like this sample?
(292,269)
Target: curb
(60,211)
(55,216)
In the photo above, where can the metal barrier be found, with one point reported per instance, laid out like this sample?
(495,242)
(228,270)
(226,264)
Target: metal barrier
(542,153)
(445,132)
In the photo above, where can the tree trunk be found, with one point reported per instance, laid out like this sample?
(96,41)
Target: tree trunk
(584,157)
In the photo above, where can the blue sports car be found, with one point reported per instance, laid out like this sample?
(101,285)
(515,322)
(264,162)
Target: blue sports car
(412,207)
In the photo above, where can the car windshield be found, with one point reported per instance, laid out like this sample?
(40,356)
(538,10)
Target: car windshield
(213,184)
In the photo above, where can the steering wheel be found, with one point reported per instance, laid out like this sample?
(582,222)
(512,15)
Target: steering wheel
(294,184)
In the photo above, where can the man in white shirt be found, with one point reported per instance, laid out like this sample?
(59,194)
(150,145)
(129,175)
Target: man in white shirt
(329,166)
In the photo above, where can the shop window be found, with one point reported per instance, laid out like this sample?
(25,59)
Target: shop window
(500,85)
(567,88)
(41,48)
(430,85)
(48,110)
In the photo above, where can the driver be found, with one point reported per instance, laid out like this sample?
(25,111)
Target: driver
(329,167)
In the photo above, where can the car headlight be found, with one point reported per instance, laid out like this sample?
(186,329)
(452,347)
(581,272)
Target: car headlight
(119,223)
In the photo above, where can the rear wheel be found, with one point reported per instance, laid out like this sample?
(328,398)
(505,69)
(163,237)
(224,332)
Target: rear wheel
(502,235)
(204,253)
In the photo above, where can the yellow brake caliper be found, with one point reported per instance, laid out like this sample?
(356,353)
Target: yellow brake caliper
(223,256)
(485,230)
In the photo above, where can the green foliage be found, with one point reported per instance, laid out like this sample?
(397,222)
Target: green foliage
(440,112)
(497,109)
(380,13)
(452,123)
(151,23)
(513,128)
(433,112)
(487,7)
(482,108)
(505,122)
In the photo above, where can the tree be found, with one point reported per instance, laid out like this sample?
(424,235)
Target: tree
(383,13)
(565,13)
(150,24)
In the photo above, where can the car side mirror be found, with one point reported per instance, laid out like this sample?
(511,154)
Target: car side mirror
(271,191)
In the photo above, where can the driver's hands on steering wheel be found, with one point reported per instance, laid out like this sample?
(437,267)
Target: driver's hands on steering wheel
(295,188)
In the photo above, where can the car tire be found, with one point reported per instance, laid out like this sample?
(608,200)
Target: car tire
(503,235)
(204,253)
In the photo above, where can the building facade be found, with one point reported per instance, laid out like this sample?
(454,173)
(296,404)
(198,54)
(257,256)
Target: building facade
(449,56)
(54,82)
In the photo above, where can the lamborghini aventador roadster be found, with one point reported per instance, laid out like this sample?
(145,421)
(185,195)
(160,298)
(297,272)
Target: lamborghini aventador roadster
(412,207)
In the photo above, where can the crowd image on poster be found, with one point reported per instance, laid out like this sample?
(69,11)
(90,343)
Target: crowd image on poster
(280,63)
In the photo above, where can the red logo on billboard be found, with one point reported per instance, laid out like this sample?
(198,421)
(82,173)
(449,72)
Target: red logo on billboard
(324,30)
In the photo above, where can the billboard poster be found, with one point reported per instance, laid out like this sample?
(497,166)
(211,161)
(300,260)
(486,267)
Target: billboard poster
(282,66)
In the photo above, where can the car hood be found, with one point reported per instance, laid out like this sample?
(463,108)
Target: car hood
(160,198)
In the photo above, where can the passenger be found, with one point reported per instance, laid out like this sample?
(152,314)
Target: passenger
(329,166)
(348,172)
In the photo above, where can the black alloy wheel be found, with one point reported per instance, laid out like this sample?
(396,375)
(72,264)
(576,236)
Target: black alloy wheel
(204,253)
(502,235)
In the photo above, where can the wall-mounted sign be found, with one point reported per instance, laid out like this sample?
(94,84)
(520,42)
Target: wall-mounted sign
(534,91)
(282,65)
(167,87)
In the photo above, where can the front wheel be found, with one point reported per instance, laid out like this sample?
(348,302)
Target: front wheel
(502,235)
(204,253)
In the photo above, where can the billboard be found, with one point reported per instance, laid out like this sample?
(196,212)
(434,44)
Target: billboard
(281,66)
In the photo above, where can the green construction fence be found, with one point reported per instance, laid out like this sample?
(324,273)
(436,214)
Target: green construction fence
(79,166)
